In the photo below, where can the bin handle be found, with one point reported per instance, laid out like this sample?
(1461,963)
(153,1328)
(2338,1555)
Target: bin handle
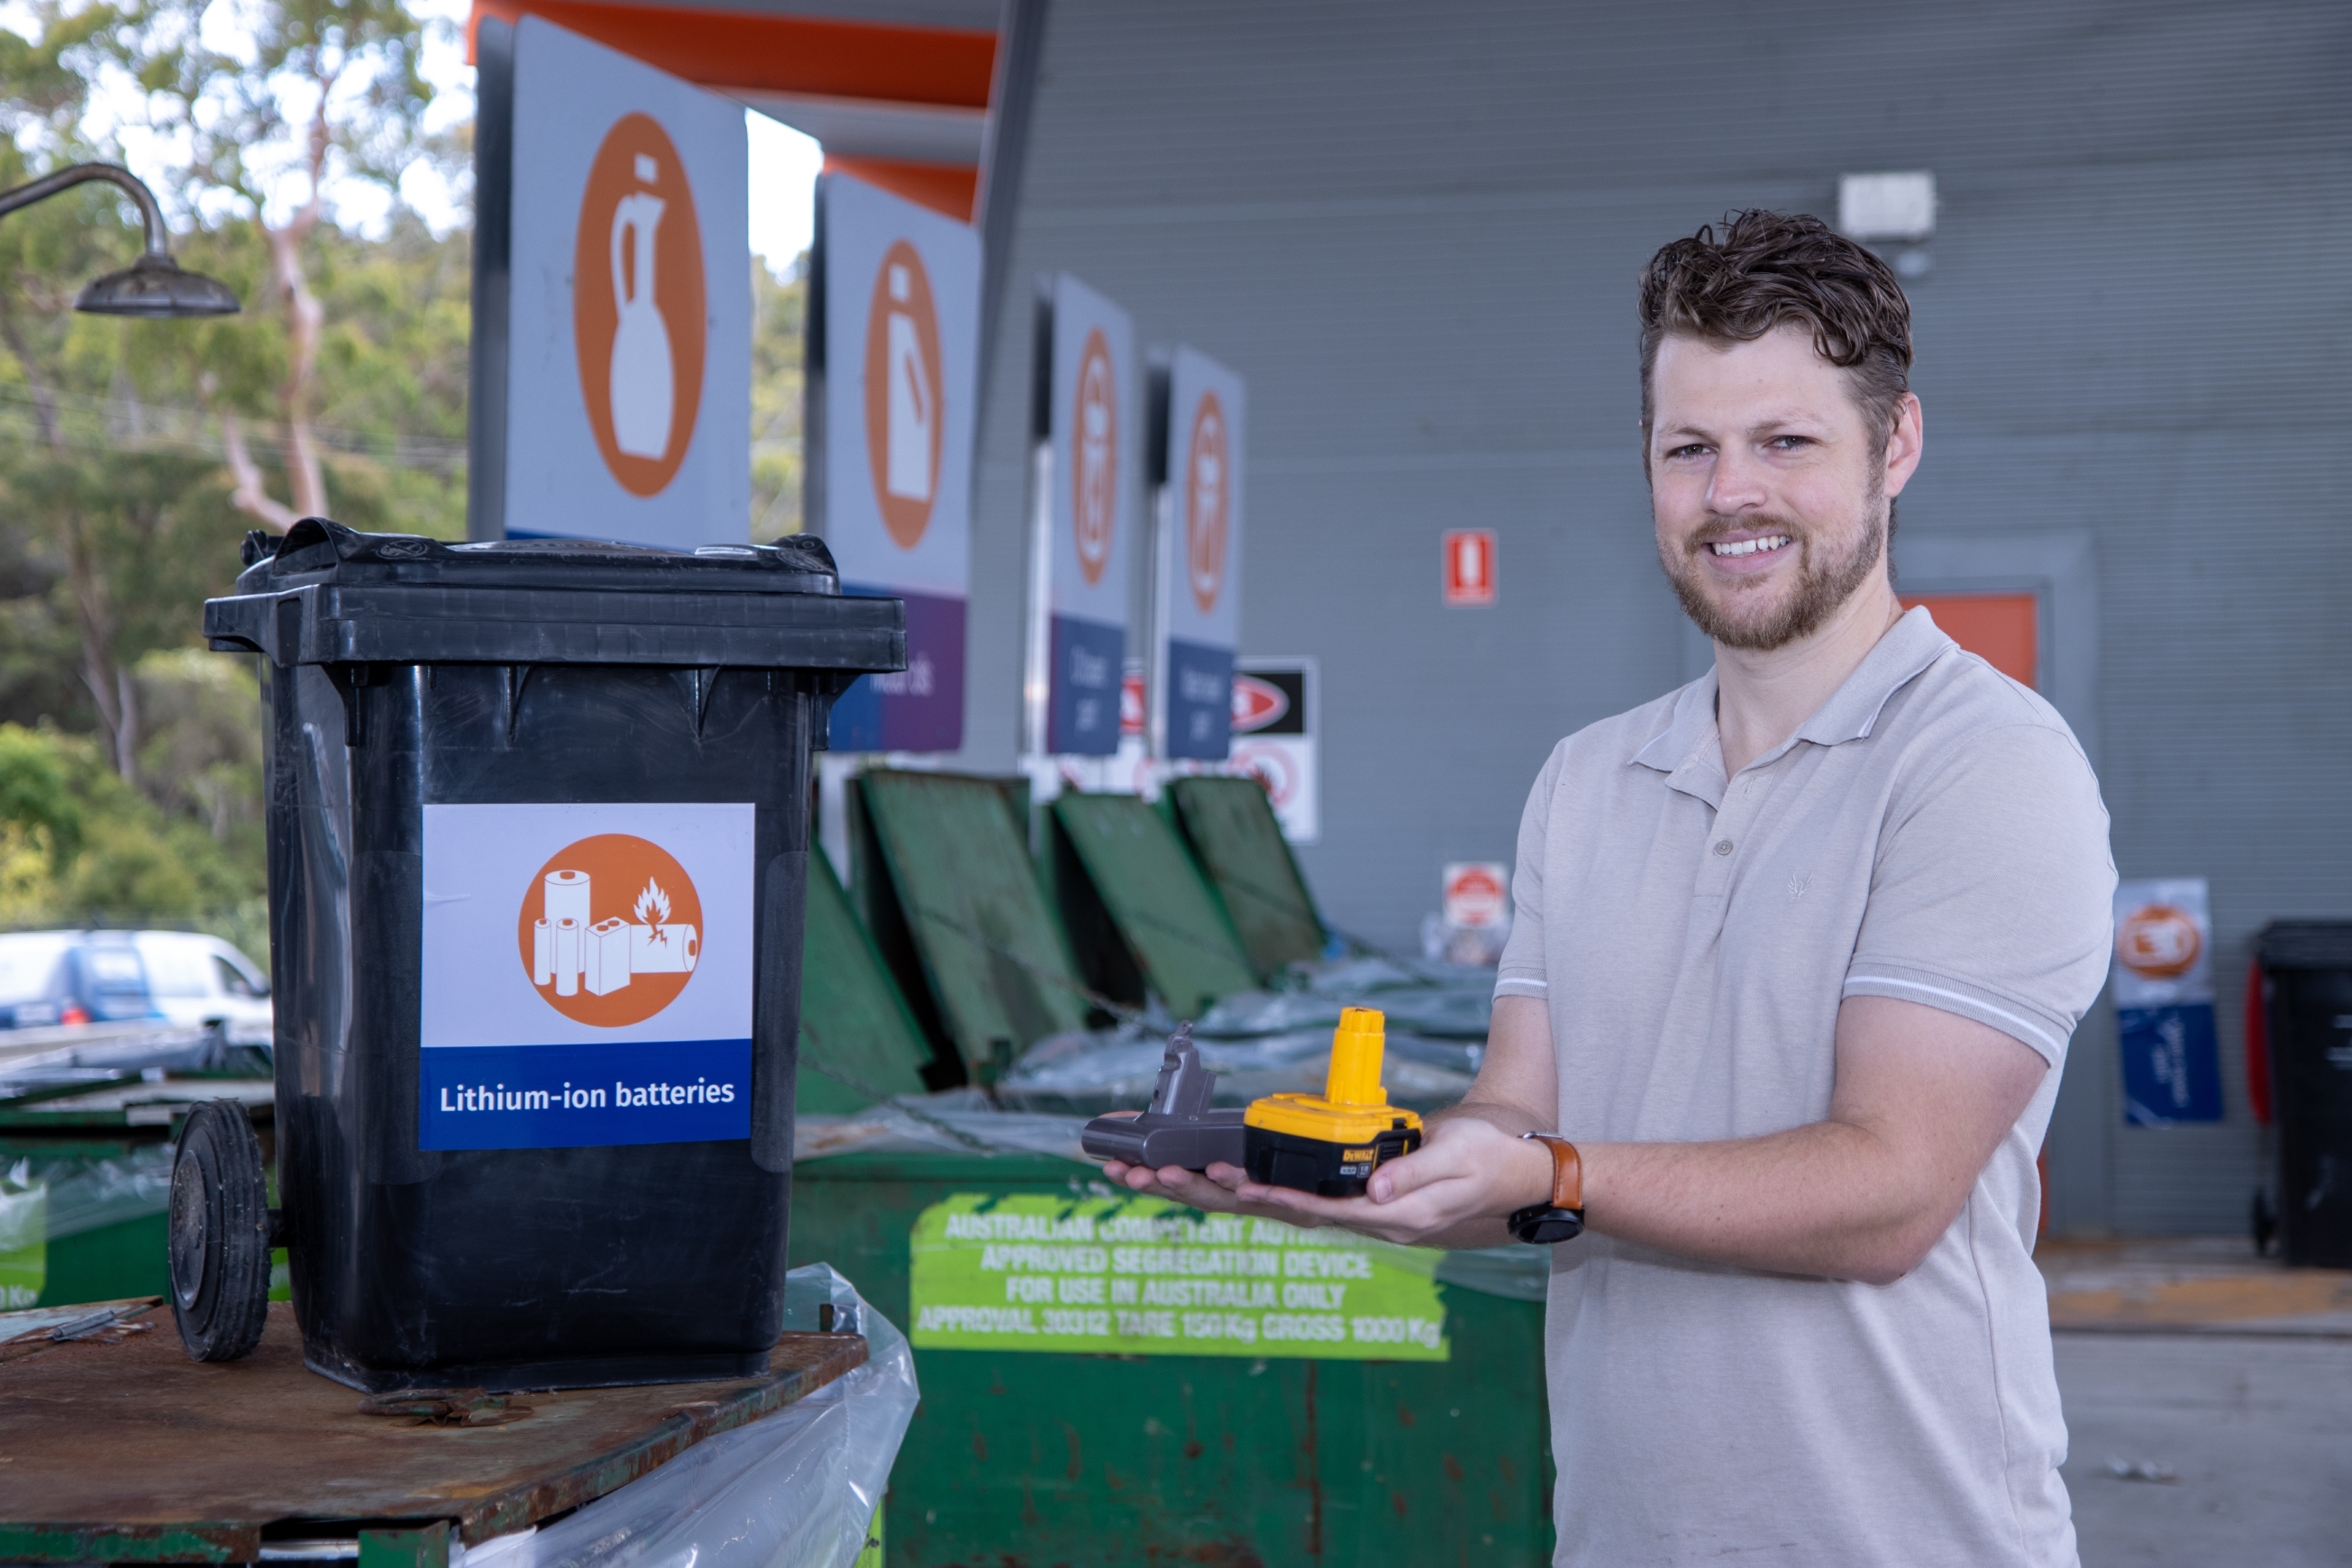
(2258,1043)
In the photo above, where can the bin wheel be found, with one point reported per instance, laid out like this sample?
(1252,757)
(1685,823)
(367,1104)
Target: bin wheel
(219,1234)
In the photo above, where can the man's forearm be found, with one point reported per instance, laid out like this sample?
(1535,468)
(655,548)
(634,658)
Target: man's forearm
(1829,1199)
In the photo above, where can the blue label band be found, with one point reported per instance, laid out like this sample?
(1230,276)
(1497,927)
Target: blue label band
(1199,711)
(920,707)
(2173,1068)
(583,1097)
(1082,718)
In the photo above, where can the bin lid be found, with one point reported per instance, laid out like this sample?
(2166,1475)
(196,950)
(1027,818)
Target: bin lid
(2305,945)
(331,594)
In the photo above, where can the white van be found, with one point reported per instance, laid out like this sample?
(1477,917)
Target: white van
(198,979)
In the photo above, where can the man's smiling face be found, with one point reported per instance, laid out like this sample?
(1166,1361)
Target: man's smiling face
(1769,493)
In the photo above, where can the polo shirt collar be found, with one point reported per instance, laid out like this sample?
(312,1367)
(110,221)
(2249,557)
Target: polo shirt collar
(1689,749)
(1913,642)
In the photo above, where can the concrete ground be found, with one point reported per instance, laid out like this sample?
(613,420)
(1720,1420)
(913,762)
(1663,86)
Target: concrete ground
(2208,1401)
(2207,1449)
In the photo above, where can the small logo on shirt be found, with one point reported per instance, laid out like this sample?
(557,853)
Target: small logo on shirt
(1797,885)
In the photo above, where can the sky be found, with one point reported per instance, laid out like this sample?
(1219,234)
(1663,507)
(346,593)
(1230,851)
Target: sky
(783,163)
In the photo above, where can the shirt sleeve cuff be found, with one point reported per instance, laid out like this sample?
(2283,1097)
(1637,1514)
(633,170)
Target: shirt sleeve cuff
(1521,985)
(2020,1021)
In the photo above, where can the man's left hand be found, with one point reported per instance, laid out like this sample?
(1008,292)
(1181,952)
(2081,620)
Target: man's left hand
(1451,1191)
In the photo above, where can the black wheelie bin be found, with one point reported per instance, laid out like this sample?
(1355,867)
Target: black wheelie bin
(538,818)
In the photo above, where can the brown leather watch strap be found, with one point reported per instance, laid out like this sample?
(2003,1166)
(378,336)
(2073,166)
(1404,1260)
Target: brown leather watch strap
(1567,1171)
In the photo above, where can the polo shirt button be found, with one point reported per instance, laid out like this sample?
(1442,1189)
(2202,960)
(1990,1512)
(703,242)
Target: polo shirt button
(1723,845)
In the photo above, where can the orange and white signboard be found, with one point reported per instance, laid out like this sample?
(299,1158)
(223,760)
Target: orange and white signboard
(2164,942)
(1089,479)
(1196,572)
(627,356)
(1469,565)
(896,366)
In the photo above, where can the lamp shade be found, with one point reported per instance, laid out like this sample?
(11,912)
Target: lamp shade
(156,286)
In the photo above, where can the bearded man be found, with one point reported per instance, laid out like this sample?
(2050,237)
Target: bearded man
(1799,951)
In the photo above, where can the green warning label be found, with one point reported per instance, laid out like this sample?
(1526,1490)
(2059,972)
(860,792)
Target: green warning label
(1036,1271)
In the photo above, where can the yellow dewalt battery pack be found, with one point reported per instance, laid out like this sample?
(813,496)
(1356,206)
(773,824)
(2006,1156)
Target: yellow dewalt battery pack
(1330,1144)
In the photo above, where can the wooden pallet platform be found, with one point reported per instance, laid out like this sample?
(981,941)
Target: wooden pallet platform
(116,1447)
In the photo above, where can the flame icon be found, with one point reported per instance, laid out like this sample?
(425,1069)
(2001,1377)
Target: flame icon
(653,904)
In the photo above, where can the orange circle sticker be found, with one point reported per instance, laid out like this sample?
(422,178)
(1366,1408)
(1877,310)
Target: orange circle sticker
(2158,941)
(1094,457)
(1208,491)
(611,929)
(638,322)
(903,388)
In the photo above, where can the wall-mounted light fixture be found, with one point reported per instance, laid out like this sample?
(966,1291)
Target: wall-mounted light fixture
(154,286)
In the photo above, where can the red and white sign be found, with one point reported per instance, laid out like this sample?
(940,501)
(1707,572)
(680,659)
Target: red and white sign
(1469,565)
(1257,703)
(1477,894)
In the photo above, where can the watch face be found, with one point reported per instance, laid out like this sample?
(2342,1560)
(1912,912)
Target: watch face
(1544,1226)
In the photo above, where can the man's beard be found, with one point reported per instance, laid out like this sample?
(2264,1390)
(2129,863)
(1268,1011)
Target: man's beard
(1822,584)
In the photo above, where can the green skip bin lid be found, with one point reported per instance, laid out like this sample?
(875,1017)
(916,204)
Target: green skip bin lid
(1162,911)
(1232,827)
(858,1042)
(960,872)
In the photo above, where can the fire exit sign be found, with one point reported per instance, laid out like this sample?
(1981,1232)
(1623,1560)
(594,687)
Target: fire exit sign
(1469,566)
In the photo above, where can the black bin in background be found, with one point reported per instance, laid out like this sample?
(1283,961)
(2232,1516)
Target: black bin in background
(2308,986)
(529,687)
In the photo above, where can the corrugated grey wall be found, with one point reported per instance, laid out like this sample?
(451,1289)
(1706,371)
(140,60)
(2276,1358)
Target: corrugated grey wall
(1417,227)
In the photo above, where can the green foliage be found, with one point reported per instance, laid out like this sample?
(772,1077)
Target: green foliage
(778,317)
(105,853)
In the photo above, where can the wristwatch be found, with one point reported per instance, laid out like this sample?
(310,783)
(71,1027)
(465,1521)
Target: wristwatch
(1562,1219)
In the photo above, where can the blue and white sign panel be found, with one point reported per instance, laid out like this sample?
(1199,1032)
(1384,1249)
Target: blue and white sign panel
(1198,574)
(628,374)
(587,976)
(1095,435)
(899,359)
(2164,1002)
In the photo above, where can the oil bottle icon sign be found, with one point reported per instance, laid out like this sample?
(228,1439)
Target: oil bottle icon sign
(640,326)
(1094,456)
(611,929)
(640,358)
(904,383)
(1208,499)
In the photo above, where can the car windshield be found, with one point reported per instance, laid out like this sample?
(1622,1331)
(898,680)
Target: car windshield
(116,972)
(176,965)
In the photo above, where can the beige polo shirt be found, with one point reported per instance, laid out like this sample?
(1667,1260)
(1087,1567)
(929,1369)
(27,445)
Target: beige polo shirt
(1934,834)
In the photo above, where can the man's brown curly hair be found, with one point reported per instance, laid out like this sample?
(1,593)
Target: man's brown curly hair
(1772,267)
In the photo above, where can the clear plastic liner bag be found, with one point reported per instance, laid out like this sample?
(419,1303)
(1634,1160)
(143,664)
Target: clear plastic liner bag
(959,1120)
(1449,1008)
(1088,1072)
(795,1490)
(92,1193)
(47,1200)
(1517,1273)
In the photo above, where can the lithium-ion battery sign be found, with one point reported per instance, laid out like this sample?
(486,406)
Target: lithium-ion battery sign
(587,976)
